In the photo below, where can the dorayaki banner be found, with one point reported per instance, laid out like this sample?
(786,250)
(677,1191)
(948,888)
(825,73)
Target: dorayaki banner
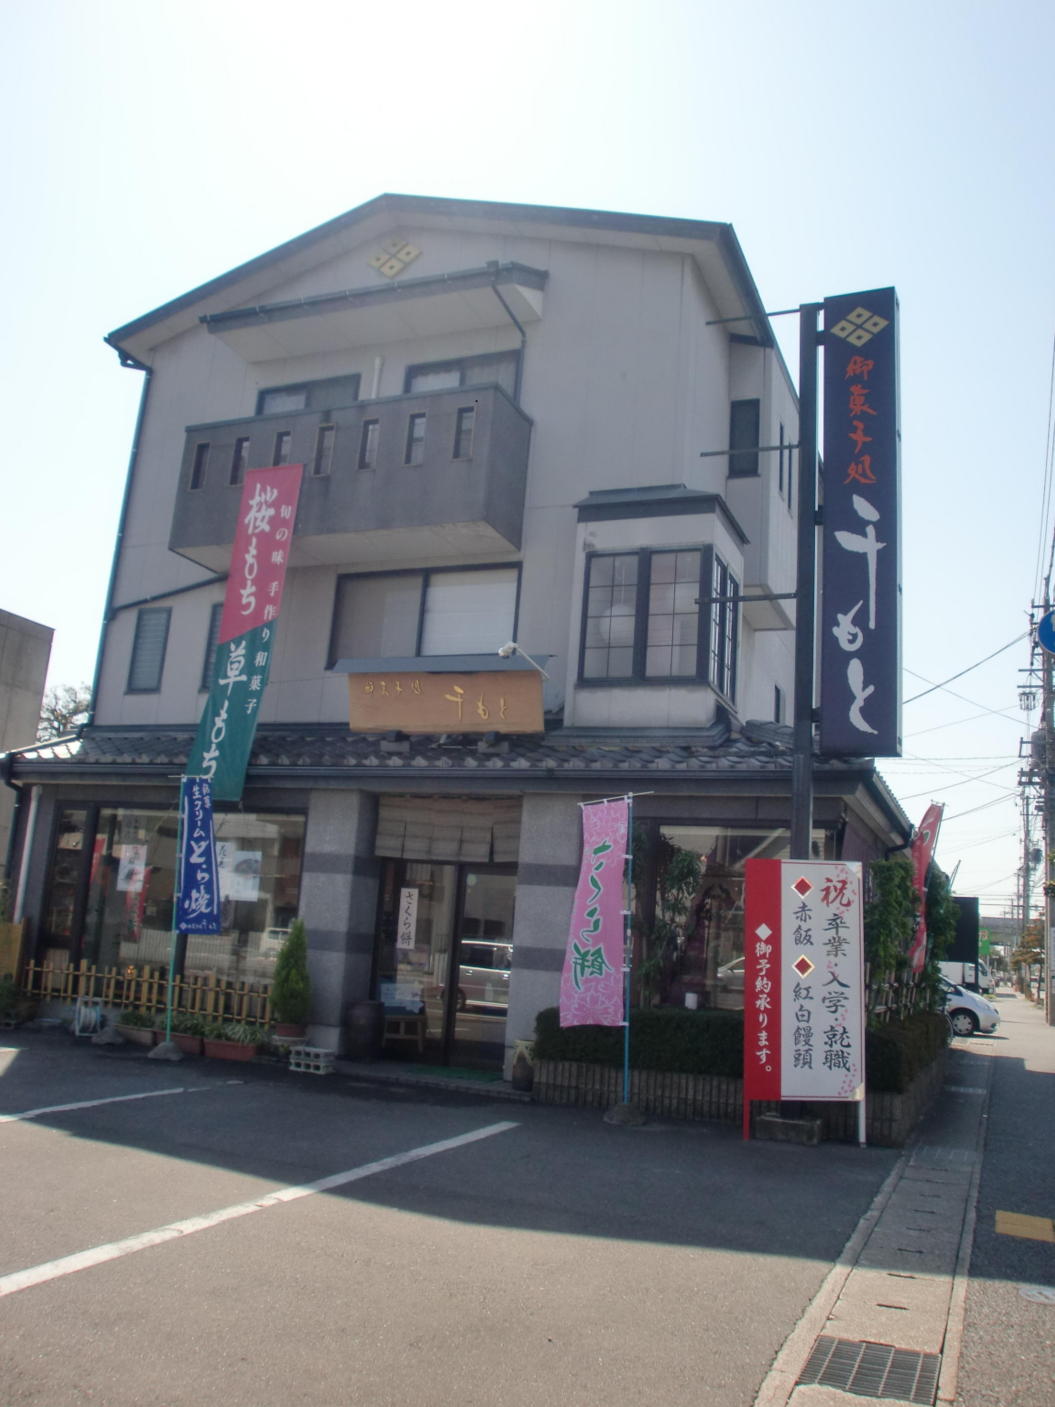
(242,661)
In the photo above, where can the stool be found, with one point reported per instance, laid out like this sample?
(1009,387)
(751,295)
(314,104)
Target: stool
(405,1026)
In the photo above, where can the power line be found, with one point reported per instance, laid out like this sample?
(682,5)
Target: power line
(976,665)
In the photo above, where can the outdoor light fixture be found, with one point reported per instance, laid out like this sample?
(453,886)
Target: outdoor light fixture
(511,648)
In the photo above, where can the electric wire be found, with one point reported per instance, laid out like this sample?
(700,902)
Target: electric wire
(970,667)
(1044,526)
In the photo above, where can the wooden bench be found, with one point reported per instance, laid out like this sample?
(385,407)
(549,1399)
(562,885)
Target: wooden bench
(405,1026)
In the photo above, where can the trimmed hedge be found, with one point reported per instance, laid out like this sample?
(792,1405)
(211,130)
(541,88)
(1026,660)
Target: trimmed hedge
(711,1042)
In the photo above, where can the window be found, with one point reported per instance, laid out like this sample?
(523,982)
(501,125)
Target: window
(325,438)
(778,704)
(642,618)
(148,649)
(497,368)
(240,460)
(215,616)
(308,395)
(283,443)
(464,425)
(743,437)
(403,614)
(199,466)
(368,442)
(415,449)
(725,617)
(784,479)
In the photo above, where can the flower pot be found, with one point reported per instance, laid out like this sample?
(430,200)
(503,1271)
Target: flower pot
(137,1035)
(228,1050)
(190,1045)
(290,1030)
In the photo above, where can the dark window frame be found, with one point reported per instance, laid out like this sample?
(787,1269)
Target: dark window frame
(464,432)
(144,614)
(468,367)
(369,443)
(239,461)
(745,420)
(426,574)
(414,447)
(282,452)
(325,450)
(710,617)
(315,394)
(199,465)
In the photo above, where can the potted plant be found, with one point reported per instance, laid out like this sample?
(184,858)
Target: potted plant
(137,1026)
(231,1040)
(291,988)
(187,1032)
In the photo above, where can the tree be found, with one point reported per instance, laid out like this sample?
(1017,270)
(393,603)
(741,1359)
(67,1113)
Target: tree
(64,709)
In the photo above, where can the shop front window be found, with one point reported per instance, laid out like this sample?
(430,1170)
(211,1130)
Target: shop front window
(689,909)
(125,891)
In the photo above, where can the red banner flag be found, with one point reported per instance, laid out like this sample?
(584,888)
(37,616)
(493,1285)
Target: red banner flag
(923,845)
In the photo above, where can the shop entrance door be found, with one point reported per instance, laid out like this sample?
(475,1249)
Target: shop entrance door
(446,951)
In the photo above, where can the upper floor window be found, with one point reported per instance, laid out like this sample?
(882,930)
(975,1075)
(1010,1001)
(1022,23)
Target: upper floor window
(283,445)
(325,438)
(744,420)
(240,459)
(464,428)
(368,442)
(784,471)
(211,639)
(647,614)
(148,649)
(199,465)
(308,395)
(452,611)
(497,367)
(415,447)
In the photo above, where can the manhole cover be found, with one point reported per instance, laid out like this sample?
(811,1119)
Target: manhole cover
(1039,1294)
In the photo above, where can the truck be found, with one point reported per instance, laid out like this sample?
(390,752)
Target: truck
(972,976)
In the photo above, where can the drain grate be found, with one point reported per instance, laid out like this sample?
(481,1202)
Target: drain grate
(873,1370)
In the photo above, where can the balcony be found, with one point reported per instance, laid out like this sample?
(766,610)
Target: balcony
(437,475)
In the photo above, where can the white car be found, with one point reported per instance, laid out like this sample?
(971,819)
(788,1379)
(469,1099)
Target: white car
(969,1013)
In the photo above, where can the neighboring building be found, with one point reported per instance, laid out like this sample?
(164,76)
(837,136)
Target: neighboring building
(508,417)
(25,650)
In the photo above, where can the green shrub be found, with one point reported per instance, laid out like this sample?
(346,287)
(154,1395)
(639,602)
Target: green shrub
(711,1042)
(708,1042)
(142,1020)
(290,988)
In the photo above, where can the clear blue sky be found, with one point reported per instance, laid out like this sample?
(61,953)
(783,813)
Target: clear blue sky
(150,146)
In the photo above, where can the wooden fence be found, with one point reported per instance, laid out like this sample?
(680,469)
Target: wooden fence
(146,989)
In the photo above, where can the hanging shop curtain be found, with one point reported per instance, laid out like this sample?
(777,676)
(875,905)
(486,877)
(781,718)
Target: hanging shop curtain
(448,828)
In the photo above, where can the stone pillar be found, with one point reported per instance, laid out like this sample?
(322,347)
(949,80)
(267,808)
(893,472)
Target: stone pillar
(338,903)
(547,873)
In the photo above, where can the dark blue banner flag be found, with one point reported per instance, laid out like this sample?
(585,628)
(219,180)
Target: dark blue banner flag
(198,905)
(860,603)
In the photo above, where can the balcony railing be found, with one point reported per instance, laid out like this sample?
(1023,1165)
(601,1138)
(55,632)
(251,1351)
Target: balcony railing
(441,473)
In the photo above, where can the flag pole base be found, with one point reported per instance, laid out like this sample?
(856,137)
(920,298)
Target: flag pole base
(167,1050)
(625,1115)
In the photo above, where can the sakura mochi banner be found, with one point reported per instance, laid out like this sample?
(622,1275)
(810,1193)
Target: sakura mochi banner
(803,980)
(592,985)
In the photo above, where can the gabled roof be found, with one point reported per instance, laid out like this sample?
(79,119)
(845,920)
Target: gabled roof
(713,245)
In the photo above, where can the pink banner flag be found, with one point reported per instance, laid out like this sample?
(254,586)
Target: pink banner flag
(592,983)
(923,845)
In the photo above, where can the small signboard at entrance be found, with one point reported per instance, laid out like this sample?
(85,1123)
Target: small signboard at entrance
(803,981)
(506,702)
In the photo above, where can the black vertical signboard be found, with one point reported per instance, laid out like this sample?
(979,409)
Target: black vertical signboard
(860,601)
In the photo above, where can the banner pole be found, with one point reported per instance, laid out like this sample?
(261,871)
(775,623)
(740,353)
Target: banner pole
(628,944)
(174,943)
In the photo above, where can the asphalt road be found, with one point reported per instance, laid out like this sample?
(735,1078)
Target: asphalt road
(553,1258)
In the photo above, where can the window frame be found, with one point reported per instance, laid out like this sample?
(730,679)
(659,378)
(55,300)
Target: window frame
(464,416)
(325,450)
(282,453)
(745,428)
(239,461)
(315,397)
(212,639)
(466,366)
(368,453)
(710,617)
(199,465)
(426,575)
(143,613)
(414,446)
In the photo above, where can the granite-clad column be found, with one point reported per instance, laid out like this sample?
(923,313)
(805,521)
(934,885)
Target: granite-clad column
(547,873)
(338,903)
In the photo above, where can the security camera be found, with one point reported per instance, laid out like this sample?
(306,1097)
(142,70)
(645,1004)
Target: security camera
(509,648)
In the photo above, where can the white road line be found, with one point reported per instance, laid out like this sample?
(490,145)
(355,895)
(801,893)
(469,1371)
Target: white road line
(114,1250)
(96,1103)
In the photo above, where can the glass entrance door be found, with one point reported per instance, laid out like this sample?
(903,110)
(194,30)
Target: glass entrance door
(445,954)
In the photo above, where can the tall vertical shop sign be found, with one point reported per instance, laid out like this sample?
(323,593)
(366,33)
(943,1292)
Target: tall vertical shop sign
(242,661)
(804,1024)
(861,582)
